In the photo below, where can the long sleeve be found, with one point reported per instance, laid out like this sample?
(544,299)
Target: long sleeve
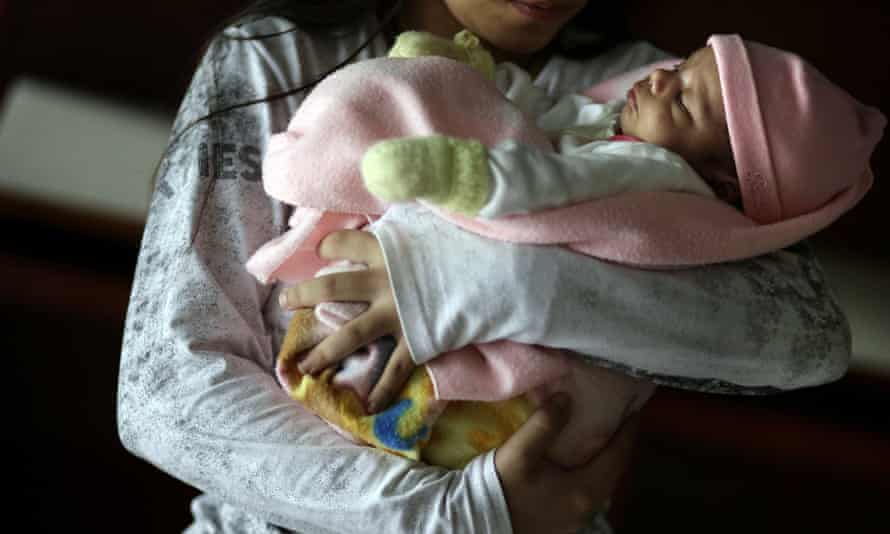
(517,85)
(756,326)
(527,179)
(196,394)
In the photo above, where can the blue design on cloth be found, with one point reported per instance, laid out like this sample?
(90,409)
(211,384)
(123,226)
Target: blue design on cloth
(386,427)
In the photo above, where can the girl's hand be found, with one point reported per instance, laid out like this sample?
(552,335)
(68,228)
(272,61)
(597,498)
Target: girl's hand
(380,319)
(546,498)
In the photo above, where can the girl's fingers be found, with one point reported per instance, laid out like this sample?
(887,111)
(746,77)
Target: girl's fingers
(528,446)
(396,373)
(353,245)
(357,286)
(350,337)
(602,474)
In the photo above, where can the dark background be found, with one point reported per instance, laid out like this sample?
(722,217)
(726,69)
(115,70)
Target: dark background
(815,460)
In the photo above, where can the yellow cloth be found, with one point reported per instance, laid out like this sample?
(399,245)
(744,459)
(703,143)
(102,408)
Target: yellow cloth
(416,426)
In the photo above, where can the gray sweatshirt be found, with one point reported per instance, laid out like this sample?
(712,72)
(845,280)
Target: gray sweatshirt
(197,397)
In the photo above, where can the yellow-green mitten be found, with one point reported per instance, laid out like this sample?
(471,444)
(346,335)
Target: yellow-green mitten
(446,171)
(465,47)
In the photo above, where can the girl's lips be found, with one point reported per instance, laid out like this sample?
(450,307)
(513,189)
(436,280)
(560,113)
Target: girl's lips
(632,98)
(536,9)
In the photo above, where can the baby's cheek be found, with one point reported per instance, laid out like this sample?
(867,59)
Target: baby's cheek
(624,122)
(680,140)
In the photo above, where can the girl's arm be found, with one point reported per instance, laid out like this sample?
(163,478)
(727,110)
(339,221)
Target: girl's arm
(197,397)
(763,324)
(756,326)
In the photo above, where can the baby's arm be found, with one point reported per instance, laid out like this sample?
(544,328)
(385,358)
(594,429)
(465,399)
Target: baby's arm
(464,176)
(510,178)
(527,179)
(464,47)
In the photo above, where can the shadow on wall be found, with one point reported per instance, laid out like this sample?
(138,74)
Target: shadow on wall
(138,51)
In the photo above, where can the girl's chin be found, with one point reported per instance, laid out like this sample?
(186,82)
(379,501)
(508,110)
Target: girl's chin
(512,43)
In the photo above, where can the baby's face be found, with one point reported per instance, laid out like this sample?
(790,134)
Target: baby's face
(681,110)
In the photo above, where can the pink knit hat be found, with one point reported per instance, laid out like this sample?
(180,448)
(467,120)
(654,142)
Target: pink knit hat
(801,144)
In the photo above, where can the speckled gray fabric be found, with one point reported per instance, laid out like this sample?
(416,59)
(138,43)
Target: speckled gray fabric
(758,326)
(197,397)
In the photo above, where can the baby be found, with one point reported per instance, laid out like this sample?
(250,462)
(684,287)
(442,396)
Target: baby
(756,125)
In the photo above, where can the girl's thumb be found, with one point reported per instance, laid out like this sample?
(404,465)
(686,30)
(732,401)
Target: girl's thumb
(534,439)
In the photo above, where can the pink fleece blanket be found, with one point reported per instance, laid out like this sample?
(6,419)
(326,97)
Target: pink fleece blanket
(314,166)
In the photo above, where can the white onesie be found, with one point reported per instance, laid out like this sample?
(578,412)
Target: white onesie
(586,163)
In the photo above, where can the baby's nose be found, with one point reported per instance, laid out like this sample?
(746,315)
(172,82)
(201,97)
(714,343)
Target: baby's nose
(660,80)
